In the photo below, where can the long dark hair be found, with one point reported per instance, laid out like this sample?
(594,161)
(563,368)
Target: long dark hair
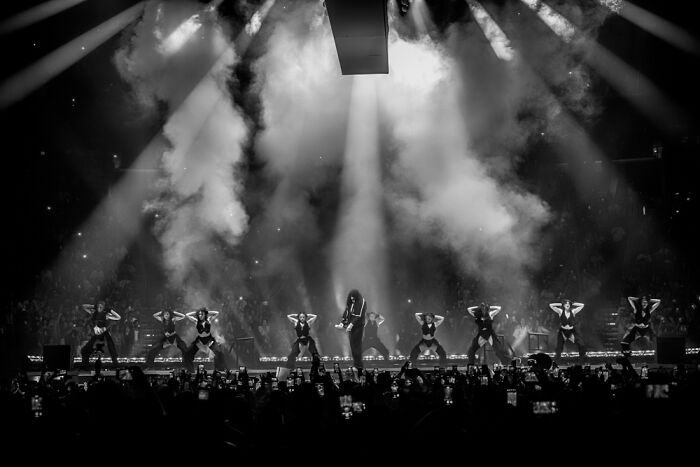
(424,315)
(354,294)
(206,313)
(644,298)
(169,312)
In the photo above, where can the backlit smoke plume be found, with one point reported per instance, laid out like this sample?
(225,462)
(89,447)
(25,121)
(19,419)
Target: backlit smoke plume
(305,109)
(179,58)
(442,190)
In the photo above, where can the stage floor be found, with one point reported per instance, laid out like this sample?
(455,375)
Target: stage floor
(164,366)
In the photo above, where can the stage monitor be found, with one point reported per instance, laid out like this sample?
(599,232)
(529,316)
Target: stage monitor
(360,29)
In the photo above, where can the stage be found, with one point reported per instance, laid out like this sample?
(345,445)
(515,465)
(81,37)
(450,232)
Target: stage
(165,365)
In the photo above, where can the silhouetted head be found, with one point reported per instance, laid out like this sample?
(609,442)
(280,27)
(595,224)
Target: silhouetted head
(354,297)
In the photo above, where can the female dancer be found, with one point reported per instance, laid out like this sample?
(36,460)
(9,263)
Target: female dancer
(483,315)
(302,325)
(170,337)
(567,312)
(641,326)
(204,341)
(99,315)
(371,339)
(353,322)
(429,323)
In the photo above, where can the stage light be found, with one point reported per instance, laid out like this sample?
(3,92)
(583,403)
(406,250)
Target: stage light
(404,6)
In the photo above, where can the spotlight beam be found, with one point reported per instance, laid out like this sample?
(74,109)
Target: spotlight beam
(127,196)
(36,14)
(561,26)
(25,82)
(655,25)
(495,35)
(628,82)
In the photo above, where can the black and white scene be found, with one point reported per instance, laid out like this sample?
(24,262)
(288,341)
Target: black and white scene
(301,228)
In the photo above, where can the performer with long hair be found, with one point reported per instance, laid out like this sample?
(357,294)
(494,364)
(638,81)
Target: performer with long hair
(302,325)
(567,311)
(170,337)
(204,341)
(371,337)
(483,315)
(641,325)
(353,322)
(100,314)
(429,322)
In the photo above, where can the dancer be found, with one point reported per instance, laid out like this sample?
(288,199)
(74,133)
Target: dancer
(302,325)
(170,337)
(204,341)
(371,339)
(641,326)
(99,314)
(483,315)
(353,322)
(429,323)
(567,312)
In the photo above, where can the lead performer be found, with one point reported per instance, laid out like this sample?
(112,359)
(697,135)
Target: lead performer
(353,322)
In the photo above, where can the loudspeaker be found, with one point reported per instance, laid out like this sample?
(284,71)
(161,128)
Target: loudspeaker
(670,350)
(57,357)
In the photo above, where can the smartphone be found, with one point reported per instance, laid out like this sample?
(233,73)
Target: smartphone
(275,384)
(203,394)
(37,406)
(200,368)
(645,372)
(346,407)
(484,380)
(657,391)
(336,367)
(512,397)
(320,389)
(544,407)
(448,395)
(358,407)
(395,389)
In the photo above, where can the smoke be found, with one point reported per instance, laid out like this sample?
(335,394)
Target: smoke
(305,105)
(179,59)
(442,191)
